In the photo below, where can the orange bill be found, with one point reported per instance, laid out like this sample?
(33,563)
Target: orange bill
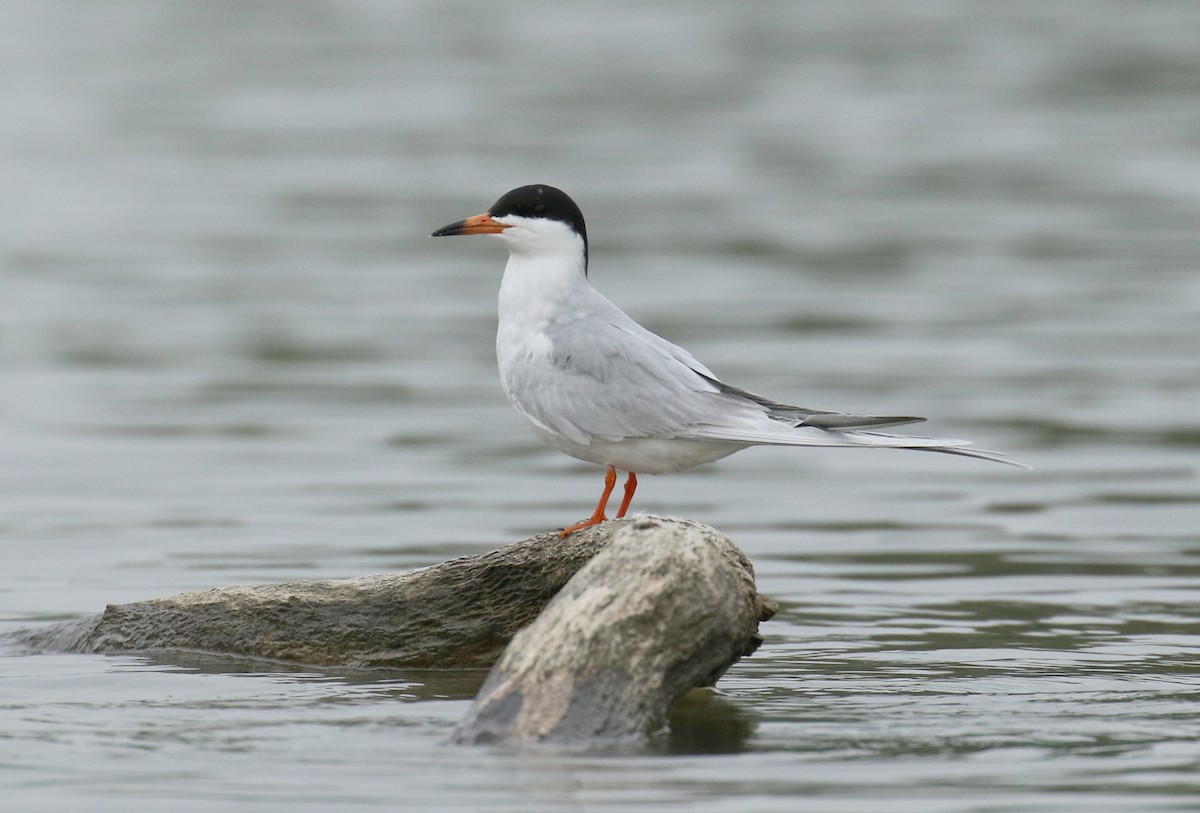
(479,224)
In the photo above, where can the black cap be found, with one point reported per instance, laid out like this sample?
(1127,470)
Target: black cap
(539,200)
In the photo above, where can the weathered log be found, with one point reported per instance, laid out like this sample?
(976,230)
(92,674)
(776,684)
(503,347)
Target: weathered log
(668,606)
(459,613)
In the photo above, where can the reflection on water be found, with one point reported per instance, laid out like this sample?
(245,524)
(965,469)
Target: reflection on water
(230,354)
(703,722)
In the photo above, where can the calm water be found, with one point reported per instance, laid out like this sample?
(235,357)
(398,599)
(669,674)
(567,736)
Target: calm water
(229,353)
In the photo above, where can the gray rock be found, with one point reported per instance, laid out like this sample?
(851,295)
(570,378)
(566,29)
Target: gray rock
(668,606)
(607,627)
(459,613)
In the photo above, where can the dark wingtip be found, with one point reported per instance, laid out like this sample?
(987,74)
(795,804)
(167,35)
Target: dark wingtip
(839,420)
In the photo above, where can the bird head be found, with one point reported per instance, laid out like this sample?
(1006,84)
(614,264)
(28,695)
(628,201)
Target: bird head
(531,220)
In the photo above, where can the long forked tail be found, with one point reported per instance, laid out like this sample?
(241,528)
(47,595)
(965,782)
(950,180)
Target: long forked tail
(780,433)
(978,454)
(962,448)
(788,425)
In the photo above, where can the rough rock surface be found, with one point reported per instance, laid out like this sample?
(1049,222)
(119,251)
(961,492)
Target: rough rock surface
(600,632)
(668,606)
(460,613)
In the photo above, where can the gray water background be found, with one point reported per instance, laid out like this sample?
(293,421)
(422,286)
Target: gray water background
(229,353)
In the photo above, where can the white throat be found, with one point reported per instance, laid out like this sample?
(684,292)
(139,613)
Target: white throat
(544,282)
(545,272)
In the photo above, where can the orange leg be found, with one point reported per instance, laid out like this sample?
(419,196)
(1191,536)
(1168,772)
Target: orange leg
(630,487)
(610,481)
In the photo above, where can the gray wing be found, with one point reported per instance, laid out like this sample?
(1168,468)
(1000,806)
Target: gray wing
(603,380)
(606,377)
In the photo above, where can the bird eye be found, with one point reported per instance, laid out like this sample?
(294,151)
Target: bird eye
(539,209)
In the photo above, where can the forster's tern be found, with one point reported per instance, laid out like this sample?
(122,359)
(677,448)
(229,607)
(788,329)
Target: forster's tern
(598,386)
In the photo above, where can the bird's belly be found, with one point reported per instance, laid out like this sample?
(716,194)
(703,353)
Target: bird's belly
(644,455)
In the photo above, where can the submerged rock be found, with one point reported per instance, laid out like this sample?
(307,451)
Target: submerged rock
(667,606)
(630,615)
(459,613)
